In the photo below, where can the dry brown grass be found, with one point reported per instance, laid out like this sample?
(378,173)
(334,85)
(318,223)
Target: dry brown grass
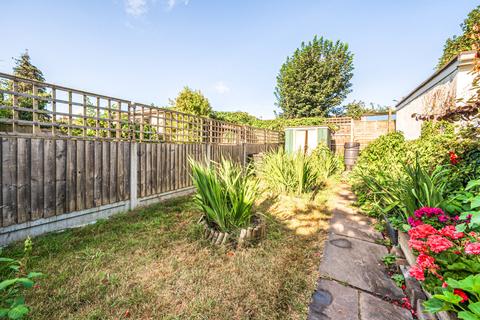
(152,264)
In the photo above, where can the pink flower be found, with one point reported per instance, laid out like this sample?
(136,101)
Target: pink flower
(418,245)
(438,243)
(426,262)
(472,248)
(442,218)
(417,272)
(414,222)
(451,232)
(422,231)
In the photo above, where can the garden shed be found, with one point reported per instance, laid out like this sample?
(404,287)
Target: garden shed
(306,138)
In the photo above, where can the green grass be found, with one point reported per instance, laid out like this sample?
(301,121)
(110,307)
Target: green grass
(152,263)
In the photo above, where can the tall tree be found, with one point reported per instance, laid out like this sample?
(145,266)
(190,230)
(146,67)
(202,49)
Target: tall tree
(469,40)
(192,101)
(25,69)
(315,79)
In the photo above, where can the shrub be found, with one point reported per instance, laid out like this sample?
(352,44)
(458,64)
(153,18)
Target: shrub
(225,194)
(325,162)
(13,283)
(288,173)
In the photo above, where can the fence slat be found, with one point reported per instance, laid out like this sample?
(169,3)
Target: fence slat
(60,176)
(37,179)
(113,171)
(9,177)
(49,178)
(71,176)
(97,182)
(105,172)
(81,176)
(23,180)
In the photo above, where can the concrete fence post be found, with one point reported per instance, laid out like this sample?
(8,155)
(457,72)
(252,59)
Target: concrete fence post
(133,175)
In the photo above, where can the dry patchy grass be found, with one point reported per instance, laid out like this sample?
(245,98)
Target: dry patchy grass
(151,263)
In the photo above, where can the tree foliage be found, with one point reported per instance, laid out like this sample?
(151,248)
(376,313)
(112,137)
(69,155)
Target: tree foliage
(193,102)
(468,40)
(356,109)
(25,69)
(315,79)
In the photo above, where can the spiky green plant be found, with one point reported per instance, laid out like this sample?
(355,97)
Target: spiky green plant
(288,173)
(225,193)
(325,162)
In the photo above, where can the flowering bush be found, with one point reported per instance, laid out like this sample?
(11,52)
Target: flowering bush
(443,253)
(432,216)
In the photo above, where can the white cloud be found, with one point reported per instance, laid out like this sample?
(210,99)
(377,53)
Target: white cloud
(173,3)
(221,87)
(136,8)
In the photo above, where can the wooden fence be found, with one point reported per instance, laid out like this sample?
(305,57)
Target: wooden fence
(70,157)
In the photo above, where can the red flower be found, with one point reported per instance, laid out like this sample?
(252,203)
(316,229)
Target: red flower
(444,284)
(461,294)
(426,262)
(472,248)
(438,243)
(418,245)
(417,272)
(422,231)
(451,232)
(453,157)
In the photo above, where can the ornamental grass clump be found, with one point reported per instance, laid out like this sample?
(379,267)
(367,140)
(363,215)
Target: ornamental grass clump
(288,173)
(225,193)
(325,162)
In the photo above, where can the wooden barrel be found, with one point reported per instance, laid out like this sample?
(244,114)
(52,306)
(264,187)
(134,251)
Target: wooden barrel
(351,154)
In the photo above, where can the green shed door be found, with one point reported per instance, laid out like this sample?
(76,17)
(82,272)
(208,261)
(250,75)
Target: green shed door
(289,141)
(324,136)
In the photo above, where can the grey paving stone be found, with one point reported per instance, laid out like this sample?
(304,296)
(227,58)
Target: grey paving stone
(358,263)
(353,225)
(332,300)
(373,308)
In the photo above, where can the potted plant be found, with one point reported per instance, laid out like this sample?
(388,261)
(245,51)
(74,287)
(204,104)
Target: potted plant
(226,194)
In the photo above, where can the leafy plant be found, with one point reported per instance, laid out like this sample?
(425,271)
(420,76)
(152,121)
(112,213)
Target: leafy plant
(225,193)
(325,162)
(14,282)
(288,173)
(398,279)
(389,259)
(469,200)
(460,296)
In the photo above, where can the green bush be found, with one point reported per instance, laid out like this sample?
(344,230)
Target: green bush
(325,162)
(225,193)
(288,173)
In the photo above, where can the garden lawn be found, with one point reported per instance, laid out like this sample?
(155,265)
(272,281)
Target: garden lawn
(152,263)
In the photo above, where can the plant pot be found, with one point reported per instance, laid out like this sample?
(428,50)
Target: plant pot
(392,232)
(257,231)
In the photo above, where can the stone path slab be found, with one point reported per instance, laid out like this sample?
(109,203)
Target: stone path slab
(352,276)
(358,263)
(353,225)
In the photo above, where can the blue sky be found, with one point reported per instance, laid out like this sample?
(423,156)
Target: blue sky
(147,50)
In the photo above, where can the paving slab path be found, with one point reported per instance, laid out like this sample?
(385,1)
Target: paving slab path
(354,284)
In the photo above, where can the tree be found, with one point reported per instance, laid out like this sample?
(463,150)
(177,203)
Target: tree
(315,79)
(469,40)
(193,102)
(356,109)
(25,69)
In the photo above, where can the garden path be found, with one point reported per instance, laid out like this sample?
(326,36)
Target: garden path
(354,284)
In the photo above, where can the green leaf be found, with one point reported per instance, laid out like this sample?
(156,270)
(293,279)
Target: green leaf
(475,203)
(472,183)
(7,283)
(475,307)
(467,315)
(461,227)
(3,312)
(18,312)
(27,283)
(448,296)
(435,305)
(32,275)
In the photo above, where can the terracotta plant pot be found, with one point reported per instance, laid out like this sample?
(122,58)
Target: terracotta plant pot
(256,232)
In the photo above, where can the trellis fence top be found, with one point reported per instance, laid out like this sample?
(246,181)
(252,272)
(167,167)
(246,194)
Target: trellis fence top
(44,109)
